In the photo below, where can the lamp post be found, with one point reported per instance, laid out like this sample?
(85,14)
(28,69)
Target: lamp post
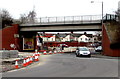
(102,17)
(102,9)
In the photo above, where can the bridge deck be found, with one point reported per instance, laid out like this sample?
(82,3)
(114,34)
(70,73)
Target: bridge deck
(69,23)
(66,22)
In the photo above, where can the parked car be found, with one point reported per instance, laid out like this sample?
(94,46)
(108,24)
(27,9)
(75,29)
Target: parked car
(98,49)
(92,50)
(82,51)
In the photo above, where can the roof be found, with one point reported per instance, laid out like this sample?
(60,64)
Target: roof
(76,35)
(47,35)
(61,35)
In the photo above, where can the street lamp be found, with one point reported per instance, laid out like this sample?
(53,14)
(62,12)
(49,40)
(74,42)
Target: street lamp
(102,14)
(102,9)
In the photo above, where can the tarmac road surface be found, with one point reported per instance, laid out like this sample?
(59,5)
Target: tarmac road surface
(68,65)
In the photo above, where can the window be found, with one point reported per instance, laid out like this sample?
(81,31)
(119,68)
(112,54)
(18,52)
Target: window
(95,39)
(81,39)
(83,49)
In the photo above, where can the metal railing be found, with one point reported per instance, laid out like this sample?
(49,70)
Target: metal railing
(109,17)
(72,19)
(68,20)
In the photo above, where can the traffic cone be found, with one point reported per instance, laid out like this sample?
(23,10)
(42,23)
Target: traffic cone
(31,59)
(59,51)
(50,52)
(33,54)
(27,61)
(36,51)
(16,64)
(24,63)
(55,52)
(38,54)
(36,58)
(45,53)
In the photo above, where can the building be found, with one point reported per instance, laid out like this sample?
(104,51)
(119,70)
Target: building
(66,38)
(61,37)
(48,37)
(83,38)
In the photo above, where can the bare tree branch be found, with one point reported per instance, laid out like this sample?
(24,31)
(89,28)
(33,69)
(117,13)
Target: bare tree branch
(28,18)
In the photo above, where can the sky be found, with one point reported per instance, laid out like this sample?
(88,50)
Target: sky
(52,8)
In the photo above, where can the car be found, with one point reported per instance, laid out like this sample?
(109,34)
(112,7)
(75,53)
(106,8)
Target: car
(92,50)
(98,49)
(62,45)
(82,51)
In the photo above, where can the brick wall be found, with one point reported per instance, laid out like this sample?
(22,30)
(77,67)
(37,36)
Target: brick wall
(8,37)
(106,45)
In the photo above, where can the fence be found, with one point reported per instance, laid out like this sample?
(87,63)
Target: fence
(68,19)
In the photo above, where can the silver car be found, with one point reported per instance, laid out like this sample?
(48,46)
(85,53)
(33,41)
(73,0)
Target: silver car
(82,51)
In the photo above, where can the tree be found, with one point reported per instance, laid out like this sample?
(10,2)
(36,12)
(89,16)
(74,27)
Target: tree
(6,18)
(23,18)
(31,16)
(28,18)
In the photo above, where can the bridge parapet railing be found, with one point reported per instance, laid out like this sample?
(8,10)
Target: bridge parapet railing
(109,17)
(70,19)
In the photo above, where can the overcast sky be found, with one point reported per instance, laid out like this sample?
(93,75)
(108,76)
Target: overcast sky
(53,8)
